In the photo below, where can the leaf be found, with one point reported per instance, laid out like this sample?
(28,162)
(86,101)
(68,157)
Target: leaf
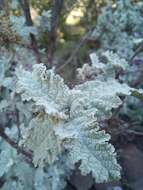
(18,26)
(89,146)
(103,95)
(45,88)
(4,67)
(5,161)
(45,145)
(68,124)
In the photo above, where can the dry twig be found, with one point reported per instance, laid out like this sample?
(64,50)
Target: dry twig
(26,10)
(52,33)
(12,143)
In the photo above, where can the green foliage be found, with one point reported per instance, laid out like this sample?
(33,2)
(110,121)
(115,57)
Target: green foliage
(119,27)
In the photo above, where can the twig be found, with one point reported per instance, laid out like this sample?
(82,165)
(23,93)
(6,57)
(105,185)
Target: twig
(2,4)
(135,132)
(12,143)
(137,51)
(26,10)
(18,124)
(52,33)
(71,186)
(82,41)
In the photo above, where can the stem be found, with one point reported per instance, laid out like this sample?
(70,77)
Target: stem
(52,34)
(26,10)
(18,124)
(2,4)
(13,144)
(75,51)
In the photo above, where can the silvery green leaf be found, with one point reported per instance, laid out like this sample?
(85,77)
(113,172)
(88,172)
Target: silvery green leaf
(18,25)
(45,20)
(89,146)
(14,4)
(45,146)
(53,179)
(19,177)
(45,88)
(68,122)
(118,27)
(4,67)
(4,104)
(5,161)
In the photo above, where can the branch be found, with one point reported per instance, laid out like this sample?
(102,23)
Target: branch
(13,144)
(18,124)
(2,4)
(80,44)
(138,133)
(52,34)
(26,10)
(137,51)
